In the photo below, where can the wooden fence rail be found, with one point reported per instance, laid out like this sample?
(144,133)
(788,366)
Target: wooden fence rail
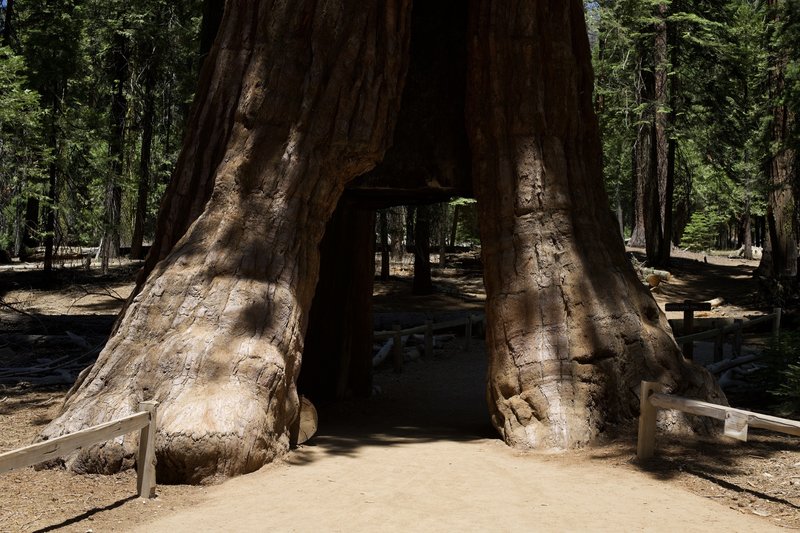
(145,420)
(466,322)
(718,334)
(736,420)
(397,335)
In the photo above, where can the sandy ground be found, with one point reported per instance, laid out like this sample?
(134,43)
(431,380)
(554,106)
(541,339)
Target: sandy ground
(420,457)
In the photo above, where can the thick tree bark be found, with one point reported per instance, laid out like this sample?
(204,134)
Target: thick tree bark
(295,100)
(570,329)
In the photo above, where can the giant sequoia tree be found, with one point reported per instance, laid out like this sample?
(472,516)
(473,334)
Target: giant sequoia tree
(295,101)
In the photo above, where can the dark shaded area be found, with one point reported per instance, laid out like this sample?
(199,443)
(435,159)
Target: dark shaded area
(337,354)
(87,515)
(438,398)
(430,159)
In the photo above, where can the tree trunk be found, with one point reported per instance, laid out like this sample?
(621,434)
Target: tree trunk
(659,223)
(8,24)
(116,147)
(52,175)
(781,261)
(385,259)
(422,283)
(215,332)
(30,227)
(643,161)
(454,227)
(148,116)
(747,238)
(570,329)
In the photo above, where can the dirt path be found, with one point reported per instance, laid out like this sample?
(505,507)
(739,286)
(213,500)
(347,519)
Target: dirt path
(421,457)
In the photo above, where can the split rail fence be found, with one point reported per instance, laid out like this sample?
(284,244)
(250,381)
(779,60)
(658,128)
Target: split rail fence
(737,328)
(737,421)
(428,328)
(144,420)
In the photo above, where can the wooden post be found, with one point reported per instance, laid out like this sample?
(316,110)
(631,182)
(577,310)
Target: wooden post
(397,349)
(146,458)
(719,343)
(467,332)
(688,329)
(737,337)
(428,338)
(646,442)
(776,322)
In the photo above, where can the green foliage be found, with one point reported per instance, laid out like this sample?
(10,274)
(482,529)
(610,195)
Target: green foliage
(702,230)
(56,90)
(22,156)
(720,99)
(781,377)
(467,231)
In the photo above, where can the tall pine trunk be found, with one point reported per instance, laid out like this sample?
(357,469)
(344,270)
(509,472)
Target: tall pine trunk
(116,151)
(143,189)
(780,259)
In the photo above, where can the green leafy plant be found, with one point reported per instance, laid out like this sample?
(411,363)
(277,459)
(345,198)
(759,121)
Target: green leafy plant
(782,376)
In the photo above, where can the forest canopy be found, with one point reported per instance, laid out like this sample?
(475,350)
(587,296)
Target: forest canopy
(696,101)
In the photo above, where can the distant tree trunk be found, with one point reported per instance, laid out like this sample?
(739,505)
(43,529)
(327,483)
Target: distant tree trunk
(8,24)
(422,283)
(442,233)
(215,332)
(397,230)
(116,146)
(385,259)
(570,329)
(143,190)
(643,161)
(52,191)
(659,223)
(30,227)
(49,210)
(454,227)
(747,238)
(780,260)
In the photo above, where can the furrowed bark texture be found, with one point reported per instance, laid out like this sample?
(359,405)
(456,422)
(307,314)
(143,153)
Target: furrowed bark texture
(571,331)
(296,99)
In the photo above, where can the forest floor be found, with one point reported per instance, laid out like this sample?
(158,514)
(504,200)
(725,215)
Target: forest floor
(420,455)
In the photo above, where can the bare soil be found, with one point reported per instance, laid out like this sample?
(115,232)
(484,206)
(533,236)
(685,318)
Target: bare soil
(427,457)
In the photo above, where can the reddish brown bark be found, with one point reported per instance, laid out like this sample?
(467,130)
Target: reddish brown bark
(295,100)
(570,331)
